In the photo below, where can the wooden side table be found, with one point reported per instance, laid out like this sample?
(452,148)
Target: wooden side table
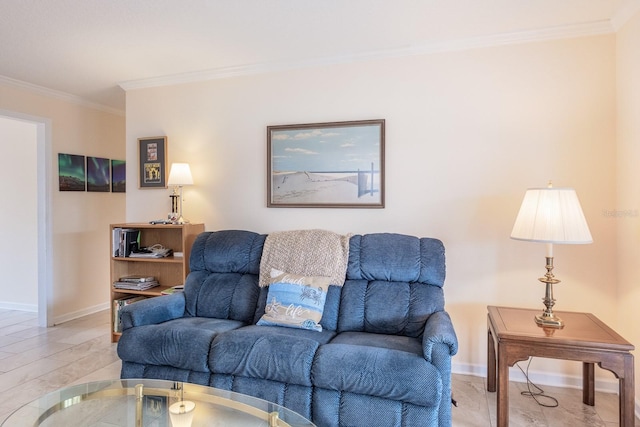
(514,336)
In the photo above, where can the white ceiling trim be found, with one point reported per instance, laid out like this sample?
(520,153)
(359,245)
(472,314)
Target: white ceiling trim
(544,34)
(56,94)
(623,15)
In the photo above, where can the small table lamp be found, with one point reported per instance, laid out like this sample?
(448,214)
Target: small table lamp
(551,215)
(179,176)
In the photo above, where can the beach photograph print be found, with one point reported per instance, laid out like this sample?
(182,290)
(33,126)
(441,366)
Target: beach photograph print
(71,172)
(338,164)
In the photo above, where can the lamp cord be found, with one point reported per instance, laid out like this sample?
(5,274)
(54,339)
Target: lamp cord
(539,392)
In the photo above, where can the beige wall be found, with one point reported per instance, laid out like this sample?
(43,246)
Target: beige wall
(80,220)
(467,133)
(628,188)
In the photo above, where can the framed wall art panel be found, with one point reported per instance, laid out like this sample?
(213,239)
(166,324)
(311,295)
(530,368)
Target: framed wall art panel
(98,174)
(333,165)
(118,176)
(153,162)
(71,172)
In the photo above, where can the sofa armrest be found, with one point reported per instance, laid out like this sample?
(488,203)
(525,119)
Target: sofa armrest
(439,330)
(151,311)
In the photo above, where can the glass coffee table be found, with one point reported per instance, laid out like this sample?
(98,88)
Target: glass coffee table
(151,403)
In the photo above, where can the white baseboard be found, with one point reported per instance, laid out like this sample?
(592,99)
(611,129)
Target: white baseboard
(8,305)
(607,385)
(80,313)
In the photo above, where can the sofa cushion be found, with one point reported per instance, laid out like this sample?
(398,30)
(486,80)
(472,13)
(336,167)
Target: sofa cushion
(230,296)
(396,258)
(393,342)
(370,308)
(295,301)
(391,374)
(267,352)
(223,282)
(227,251)
(182,343)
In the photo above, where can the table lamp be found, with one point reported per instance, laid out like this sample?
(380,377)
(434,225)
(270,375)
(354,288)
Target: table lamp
(181,413)
(179,176)
(552,216)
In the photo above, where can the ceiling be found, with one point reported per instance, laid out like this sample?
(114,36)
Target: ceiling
(92,49)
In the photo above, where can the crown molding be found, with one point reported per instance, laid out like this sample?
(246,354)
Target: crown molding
(624,14)
(502,39)
(63,96)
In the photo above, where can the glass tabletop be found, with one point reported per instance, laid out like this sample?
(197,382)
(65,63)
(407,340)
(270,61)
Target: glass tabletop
(151,403)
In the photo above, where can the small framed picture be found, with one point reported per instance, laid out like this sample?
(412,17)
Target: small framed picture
(98,176)
(330,165)
(118,176)
(71,172)
(153,162)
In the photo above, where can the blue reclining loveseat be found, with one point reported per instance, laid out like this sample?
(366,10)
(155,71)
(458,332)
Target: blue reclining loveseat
(383,357)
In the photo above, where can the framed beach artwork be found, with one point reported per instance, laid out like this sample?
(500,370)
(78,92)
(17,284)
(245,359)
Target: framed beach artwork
(327,165)
(152,154)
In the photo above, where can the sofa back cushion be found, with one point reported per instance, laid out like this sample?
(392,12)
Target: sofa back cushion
(223,278)
(394,283)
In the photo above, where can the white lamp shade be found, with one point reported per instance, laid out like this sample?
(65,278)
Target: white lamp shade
(180,174)
(181,413)
(551,215)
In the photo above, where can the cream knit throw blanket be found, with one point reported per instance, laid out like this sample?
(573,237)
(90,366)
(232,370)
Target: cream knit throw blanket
(307,253)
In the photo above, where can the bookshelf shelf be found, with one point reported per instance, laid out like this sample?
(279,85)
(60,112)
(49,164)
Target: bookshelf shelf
(169,271)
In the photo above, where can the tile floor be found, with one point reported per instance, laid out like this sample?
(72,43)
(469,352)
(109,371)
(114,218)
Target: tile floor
(35,361)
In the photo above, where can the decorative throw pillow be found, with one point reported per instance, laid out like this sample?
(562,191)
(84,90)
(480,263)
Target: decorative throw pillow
(295,301)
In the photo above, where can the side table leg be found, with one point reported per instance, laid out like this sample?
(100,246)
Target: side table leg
(627,393)
(503,388)
(588,384)
(491,362)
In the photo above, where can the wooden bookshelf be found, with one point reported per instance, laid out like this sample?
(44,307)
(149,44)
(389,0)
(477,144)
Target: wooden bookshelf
(169,271)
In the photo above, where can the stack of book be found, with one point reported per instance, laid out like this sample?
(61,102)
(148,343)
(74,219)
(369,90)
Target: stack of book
(118,304)
(136,283)
(125,241)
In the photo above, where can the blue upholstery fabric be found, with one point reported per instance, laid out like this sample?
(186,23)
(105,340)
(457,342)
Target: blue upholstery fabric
(182,343)
(383,357)
(268,352)
(396,258)
(374,371)
(370,309)
(154,311)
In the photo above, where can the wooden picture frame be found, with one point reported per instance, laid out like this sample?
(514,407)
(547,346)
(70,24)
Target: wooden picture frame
(327,165)
(152,156)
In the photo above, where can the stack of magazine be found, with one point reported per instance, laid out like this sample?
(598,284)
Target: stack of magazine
(136,283)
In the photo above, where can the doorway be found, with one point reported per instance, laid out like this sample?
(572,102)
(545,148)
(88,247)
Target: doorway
(26,218)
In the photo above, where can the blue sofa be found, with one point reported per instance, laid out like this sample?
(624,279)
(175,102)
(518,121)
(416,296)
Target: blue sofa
(383,356)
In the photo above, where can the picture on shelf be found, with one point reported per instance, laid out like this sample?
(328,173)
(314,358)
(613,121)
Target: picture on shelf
(98,174)
(71,172)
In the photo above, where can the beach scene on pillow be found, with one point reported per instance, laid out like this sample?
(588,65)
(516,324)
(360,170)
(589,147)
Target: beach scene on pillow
(295,301)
